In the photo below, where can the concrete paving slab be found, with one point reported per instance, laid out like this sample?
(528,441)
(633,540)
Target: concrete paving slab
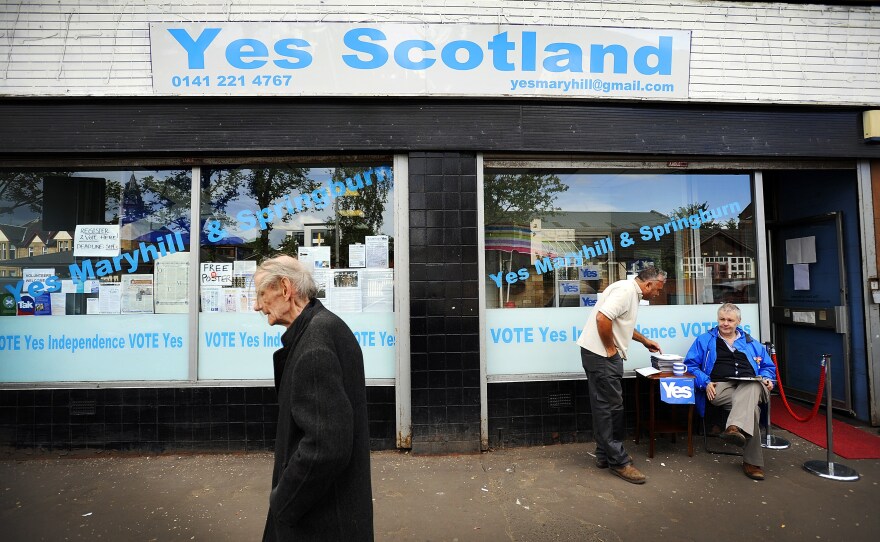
(519,494)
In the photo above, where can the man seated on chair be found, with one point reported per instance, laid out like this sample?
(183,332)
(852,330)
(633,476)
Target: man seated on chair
(718,359)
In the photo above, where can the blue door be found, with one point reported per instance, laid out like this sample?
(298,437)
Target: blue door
(807,314)
(816,305)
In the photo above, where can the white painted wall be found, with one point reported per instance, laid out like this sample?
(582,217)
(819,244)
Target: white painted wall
(740,53)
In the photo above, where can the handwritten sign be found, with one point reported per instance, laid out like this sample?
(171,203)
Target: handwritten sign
(216,274)
(96,240)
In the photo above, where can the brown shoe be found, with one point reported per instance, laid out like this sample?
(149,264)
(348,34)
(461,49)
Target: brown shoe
(629,473)
(753,471)
(733,435)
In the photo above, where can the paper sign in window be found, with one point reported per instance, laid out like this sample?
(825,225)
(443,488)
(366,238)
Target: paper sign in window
(800,250)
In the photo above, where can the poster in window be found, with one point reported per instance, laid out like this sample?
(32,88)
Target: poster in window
(357,255)
(347,295)
(137,294)
(96,240)
(377,251)
(171,289)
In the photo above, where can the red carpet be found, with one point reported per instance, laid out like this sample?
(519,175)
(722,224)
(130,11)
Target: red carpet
(849,442)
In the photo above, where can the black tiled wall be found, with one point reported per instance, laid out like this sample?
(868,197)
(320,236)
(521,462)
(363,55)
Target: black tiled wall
(444,315)
(541,413)
(156,419)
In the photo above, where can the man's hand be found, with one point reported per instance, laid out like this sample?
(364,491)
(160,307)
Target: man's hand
(611,352)
(768,384)
(652,346)
(710,391)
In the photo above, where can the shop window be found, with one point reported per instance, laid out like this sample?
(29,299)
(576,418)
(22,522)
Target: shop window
(337,220)
(114,307)
(554,240)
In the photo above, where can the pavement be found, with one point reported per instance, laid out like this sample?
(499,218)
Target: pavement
(516,494)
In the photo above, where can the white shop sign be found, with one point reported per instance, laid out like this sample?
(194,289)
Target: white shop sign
(375,59)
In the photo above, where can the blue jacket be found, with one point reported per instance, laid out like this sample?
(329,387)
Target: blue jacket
(701,359)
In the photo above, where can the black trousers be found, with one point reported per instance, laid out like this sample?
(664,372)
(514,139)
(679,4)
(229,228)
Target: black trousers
(604,377)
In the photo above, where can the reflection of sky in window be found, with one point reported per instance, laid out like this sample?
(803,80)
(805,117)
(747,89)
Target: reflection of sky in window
(645,192)
(295,221)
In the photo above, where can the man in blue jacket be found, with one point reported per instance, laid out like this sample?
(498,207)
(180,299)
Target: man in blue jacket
(733,368)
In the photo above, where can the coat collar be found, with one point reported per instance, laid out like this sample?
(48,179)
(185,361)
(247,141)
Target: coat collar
(291,338)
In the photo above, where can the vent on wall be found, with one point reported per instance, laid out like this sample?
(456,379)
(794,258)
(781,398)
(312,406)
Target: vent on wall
(559,400)
(82,408)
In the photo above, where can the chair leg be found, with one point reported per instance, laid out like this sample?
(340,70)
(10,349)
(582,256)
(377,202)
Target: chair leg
(706,446)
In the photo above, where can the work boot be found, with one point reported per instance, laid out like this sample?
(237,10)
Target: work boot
(733,435)
(602,463)
(629,473)
(753,471)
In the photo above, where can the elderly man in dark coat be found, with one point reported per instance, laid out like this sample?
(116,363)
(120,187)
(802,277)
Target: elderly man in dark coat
(321,480)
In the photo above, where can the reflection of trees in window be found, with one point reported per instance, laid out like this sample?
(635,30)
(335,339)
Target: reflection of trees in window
(515,198)
(21,189)
(263,187)
(358,213)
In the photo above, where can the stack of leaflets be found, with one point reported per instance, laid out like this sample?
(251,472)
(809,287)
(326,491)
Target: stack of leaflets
(663,362)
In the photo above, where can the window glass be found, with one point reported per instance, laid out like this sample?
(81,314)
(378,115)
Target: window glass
(554,240)
(100,258)
(337,220)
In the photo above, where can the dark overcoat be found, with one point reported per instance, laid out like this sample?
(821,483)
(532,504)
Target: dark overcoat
(321,481)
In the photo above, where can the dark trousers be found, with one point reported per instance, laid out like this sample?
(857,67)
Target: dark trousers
(606,401)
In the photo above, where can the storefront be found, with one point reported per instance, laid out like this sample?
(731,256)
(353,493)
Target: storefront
(464,192)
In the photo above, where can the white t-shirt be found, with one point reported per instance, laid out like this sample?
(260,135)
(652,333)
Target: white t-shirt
(620,303)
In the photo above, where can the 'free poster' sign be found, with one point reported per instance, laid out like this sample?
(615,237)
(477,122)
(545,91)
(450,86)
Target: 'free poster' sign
(216,274)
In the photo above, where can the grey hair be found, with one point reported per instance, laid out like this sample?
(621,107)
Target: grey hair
(281,267)
(730,307)
(651,273)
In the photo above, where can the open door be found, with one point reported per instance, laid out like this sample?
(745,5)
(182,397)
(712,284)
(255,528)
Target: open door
(816,280)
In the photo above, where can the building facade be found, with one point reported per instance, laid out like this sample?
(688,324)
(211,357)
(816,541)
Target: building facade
(464,177)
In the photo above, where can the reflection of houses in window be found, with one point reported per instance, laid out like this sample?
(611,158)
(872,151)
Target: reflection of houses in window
(724,254)
(21,245)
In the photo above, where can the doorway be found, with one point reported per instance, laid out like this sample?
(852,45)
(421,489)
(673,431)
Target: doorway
(816,283)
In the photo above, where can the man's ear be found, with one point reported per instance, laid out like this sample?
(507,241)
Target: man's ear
(286,288)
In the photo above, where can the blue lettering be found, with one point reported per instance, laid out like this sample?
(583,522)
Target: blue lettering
(82,272)
(54,284)
(500,46)
(16,290)
(246,219)
(401,55)
(597,58)
(573,58)
(239,50)
(529,51)
(664,57)
(195,50)
(378,54)
(288,48)
(475,55)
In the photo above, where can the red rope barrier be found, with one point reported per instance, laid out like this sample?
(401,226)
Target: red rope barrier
(782,391)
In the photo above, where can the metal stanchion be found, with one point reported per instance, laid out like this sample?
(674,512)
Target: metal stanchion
(771,441)
(830,469)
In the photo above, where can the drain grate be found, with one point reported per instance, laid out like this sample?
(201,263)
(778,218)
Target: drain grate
(559,400)
(82,408)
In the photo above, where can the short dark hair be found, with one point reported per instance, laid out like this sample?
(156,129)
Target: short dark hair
(651,273)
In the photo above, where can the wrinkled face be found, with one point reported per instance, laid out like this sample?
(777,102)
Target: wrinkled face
(653,288)
(273,300)
(727,322)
